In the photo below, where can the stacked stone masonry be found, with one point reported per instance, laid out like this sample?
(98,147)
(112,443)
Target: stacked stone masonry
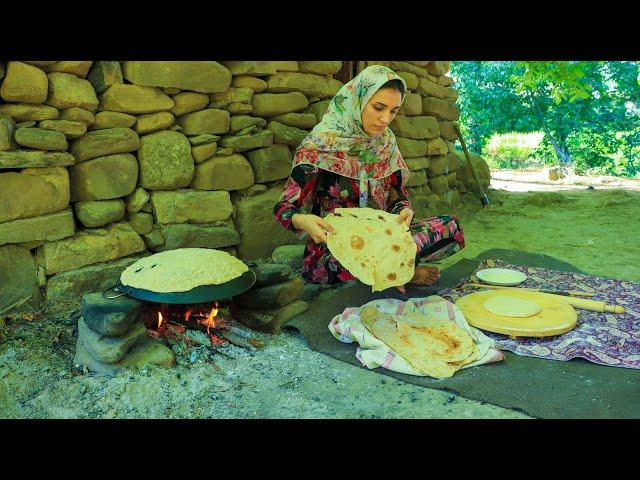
(104,162)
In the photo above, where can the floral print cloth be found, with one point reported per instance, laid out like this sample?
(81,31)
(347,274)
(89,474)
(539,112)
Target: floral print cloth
(603,338)
(312,190)
(339,144)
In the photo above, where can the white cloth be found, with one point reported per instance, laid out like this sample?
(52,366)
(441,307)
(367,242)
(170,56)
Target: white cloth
(374,353)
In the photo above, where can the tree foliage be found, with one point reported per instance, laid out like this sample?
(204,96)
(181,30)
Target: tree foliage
(588,111)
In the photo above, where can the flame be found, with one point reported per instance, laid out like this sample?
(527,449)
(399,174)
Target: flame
(160,320)
(188,314)
(210,321)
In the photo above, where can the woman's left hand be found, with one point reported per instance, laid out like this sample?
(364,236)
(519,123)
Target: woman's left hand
(405,216)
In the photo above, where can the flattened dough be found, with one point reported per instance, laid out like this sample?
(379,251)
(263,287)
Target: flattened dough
(511,307)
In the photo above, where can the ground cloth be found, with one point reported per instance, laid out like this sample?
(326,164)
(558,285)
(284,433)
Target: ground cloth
(535,386)
(604,338)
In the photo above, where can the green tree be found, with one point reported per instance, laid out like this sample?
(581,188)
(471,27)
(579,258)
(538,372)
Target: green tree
(587,110)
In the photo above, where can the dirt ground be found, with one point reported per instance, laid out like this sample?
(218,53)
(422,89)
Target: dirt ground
(596,230)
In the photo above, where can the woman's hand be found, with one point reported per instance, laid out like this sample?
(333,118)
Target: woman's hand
(315,226)
(405,216)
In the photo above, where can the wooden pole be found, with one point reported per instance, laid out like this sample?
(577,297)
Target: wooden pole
(483,196)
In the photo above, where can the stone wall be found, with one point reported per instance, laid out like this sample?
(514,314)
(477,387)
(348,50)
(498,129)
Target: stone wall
(104,162)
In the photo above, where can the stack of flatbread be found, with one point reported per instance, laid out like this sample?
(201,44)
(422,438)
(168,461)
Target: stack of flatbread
(182,270)
(433,347)
(372,246)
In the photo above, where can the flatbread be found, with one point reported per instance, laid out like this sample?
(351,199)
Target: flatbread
(182,270)
(433,347)
(508,306)
(372,246)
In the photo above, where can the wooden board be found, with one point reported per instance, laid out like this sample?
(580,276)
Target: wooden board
(555,317)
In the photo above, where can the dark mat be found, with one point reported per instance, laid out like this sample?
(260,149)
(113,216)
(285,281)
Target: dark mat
(540,388)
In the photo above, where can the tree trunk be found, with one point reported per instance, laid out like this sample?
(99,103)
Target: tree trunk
(561,150)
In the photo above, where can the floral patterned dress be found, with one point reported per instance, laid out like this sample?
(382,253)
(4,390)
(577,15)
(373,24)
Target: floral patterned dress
(312,190)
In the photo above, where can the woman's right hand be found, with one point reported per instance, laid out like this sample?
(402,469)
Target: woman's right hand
(315,226)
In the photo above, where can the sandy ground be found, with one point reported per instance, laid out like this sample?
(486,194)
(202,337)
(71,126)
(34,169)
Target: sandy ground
(594,229)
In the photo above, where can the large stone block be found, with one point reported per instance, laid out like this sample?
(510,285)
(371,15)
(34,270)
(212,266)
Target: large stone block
(299,120)
(431,89)
(439,185)
(417,163)
(137,200)
(198,76)
(240,122)
(35,158)
(104,142)
(73,284)
(417,179)
(411,79)
(445,81)
(106,119)
(146,352)
(439,164)
(271,104)
(286,135)
(232,172)
(66,91)
(153,122)
(24,112)
(33,192)
(7,131)
(104,178)
(183,235)
(210,120)
(24,83)
(415,127)
(319,109)
(233,95)
(440,109)
(141,222)
(272,296)
(109,349)
(447,130)
(89,247)
(17,277)
(41,139)
(260,68)
(437,146)
(187,102)
(271,163)
(411,148)
(271,273)
(103,74)
(67,128)
(242,143)
(320,68)
(135,99)
(165,161)
(412,105)
(76,114)
(203,152)
(465,174)
(255,222)
(53,226)
(437,68)
(98,213)
(110,316)
(193,206)
(77,68)
(256,84)
(307,83)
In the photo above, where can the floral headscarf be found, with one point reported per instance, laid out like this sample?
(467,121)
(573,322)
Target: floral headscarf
(339,143)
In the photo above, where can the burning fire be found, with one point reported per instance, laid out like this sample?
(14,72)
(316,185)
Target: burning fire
(167,323)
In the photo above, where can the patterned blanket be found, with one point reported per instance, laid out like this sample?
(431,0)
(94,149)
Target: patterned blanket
(603,338)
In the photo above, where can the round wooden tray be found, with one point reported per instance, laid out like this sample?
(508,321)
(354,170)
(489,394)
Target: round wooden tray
(556,317)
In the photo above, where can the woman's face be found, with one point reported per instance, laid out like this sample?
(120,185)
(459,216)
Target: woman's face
(380,110)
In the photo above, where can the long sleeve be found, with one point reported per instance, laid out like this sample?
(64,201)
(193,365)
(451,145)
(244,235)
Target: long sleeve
(398,195)
(297,196)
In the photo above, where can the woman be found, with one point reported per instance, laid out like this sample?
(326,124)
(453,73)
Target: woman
(351,159)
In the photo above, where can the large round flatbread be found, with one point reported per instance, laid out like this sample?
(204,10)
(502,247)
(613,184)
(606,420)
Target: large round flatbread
(182,270)
(437,348)
(372,246)
(511,306)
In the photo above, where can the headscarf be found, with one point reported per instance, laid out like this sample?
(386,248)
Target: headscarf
(339,143)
